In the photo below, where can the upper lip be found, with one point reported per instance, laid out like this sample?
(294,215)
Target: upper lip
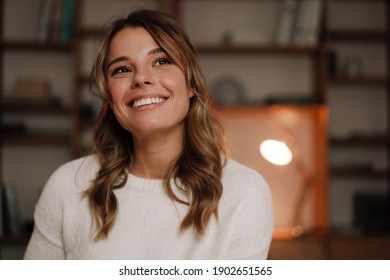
(144,96)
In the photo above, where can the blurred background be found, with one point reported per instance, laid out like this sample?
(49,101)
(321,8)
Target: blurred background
(311,74)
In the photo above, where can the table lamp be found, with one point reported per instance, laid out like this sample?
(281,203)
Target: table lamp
(282,152)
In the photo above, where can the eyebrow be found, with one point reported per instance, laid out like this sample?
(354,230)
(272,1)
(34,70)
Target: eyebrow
(156,51)
(125,58)
(117,60)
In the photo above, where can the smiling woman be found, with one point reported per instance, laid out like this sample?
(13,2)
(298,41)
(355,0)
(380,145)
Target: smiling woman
(158,185)
(138,71)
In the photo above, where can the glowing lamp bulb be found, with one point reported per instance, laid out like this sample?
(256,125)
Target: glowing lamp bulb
(276,152)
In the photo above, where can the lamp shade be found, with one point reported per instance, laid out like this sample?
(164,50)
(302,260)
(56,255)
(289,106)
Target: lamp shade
(276,152)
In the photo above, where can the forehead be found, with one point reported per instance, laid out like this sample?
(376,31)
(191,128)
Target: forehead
(135,41)
(131,38)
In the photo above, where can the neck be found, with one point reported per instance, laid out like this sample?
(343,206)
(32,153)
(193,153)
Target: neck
(154,155)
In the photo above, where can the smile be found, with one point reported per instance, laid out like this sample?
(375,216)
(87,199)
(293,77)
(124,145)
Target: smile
(147,101)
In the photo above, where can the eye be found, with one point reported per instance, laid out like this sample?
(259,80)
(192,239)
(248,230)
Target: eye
(120,70)
(162,61)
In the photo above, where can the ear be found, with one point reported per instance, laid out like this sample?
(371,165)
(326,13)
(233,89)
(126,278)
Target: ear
(190,93)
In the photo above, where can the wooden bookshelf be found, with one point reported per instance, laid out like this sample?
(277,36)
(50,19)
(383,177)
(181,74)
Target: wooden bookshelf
(363,40)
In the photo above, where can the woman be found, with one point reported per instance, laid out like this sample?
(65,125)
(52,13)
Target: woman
(158,185)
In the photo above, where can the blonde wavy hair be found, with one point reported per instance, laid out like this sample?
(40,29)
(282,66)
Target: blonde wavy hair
(198,167)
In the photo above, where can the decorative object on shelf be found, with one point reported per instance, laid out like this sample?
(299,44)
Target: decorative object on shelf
(227,38)
(352,66)
(371,213)
(90,108)
(333,67)
(34,88)
(283,151)
(228,91)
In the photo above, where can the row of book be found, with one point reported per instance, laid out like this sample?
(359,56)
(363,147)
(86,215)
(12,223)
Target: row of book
(298,22)
(55,20)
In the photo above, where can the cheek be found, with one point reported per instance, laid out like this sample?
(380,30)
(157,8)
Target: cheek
(177,83)
(118,89)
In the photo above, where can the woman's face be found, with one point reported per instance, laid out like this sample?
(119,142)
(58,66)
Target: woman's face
(149,92)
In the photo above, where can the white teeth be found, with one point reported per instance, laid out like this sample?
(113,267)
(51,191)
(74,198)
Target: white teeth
(147,101)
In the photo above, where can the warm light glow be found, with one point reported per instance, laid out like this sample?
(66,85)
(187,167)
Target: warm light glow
(276,152)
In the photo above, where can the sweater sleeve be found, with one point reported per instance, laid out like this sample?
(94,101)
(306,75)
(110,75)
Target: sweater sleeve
(40,248)
(46,240)
(254,224)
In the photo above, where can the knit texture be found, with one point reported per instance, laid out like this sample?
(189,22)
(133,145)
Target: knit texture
(148,221)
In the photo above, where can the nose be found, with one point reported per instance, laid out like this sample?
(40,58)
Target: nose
(142,78)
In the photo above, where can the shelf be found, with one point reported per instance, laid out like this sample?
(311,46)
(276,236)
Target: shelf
(355,1)
(28,106)
(363,80)
(369,140)
(357,35)
(36,139)
(91,32)
(253,49)
(234,48)
(44,46)
(299,109)
(358,172)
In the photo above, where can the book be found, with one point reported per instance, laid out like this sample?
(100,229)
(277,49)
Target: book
(286,18)
(306,29)
(1,211)
(67,21)
(57,20)
(45,19)
(10,209)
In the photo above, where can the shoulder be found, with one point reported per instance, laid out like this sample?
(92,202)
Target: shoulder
(242,182)
(239,174)
(77,172)
(85,163)
(246,206)
(66,183)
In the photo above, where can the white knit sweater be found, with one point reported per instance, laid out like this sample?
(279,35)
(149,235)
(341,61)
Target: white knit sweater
(147,225)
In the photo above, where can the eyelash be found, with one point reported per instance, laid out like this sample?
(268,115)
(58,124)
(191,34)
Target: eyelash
(163,59)
(121,69)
